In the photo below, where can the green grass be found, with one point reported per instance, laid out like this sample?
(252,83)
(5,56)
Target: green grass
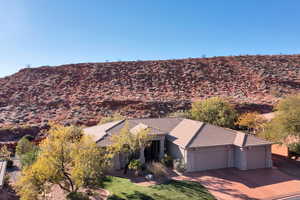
(122,188)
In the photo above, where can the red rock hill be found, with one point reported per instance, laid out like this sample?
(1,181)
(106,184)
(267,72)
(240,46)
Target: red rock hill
(82,93)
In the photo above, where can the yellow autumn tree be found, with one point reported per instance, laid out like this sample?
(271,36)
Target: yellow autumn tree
(252,120)
(129,143)
(64,160)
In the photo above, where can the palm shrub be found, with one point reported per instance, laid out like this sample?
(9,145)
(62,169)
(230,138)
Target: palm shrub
(157,169)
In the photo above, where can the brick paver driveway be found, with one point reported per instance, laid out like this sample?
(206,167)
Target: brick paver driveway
(231,184)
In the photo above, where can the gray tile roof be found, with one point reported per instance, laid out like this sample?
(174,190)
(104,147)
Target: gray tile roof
(158,126)
(211,135)
(184,132)
(99,131)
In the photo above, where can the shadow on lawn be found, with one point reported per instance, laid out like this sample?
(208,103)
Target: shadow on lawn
(136,195)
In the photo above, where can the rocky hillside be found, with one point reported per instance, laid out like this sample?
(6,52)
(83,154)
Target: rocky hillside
(83,93)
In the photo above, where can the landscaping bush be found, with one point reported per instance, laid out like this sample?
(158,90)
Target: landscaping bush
(167,161)
(77,196)
(135,165)
(179,165)
(294,147)
(157,169)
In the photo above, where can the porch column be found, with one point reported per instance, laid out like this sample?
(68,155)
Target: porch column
(269,162)
(142,155)
(243,159)
(230,161)
(162,147)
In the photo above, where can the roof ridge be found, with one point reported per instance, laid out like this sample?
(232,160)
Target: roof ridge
(196,134)
(160,118)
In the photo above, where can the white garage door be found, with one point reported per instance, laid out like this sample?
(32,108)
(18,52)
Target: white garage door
(207,159)
(256,157)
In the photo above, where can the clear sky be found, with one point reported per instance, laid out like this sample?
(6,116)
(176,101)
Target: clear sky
(54,32)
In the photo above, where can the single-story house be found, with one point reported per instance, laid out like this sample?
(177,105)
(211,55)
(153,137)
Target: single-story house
(200,145)
(3,165)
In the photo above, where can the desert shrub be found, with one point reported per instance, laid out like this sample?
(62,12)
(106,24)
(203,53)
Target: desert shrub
(135,165)
(114,117)
(157,169)
(294,147)
(181,113)
(77,196)
(179,165)
(167,161)
(5,155)
(6,183)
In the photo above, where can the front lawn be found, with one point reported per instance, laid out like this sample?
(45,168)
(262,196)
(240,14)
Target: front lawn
(122,188)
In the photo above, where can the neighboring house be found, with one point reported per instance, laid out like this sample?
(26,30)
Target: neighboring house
(3,165)
(202,146)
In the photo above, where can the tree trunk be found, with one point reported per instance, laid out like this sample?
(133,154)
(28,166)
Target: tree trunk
(127,164)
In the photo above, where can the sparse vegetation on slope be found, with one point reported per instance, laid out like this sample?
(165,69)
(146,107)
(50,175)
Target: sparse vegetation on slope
(84,93)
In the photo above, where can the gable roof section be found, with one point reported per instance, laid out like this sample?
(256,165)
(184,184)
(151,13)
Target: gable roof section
(240,139)
(211,135)
(254,141)
(99,131)
(138,128)
(184,132)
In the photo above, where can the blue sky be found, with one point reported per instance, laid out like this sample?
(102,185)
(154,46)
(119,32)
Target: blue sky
(54,32)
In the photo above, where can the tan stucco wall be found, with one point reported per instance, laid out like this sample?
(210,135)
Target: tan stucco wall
(175,151)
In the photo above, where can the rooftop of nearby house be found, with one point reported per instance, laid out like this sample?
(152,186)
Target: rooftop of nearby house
(183,132)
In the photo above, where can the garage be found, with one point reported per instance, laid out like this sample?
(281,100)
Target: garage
(256,157)
(207,158)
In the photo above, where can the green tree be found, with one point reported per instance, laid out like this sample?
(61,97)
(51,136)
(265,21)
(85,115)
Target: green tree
(24,146)
(27,151)
(286,121)
(114,117)
(29,158)
(215,111)
(129,143)
(62,161)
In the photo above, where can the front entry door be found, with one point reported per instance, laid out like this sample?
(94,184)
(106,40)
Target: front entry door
(152,151)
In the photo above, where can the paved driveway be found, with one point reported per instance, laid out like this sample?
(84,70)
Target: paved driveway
(231,184)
